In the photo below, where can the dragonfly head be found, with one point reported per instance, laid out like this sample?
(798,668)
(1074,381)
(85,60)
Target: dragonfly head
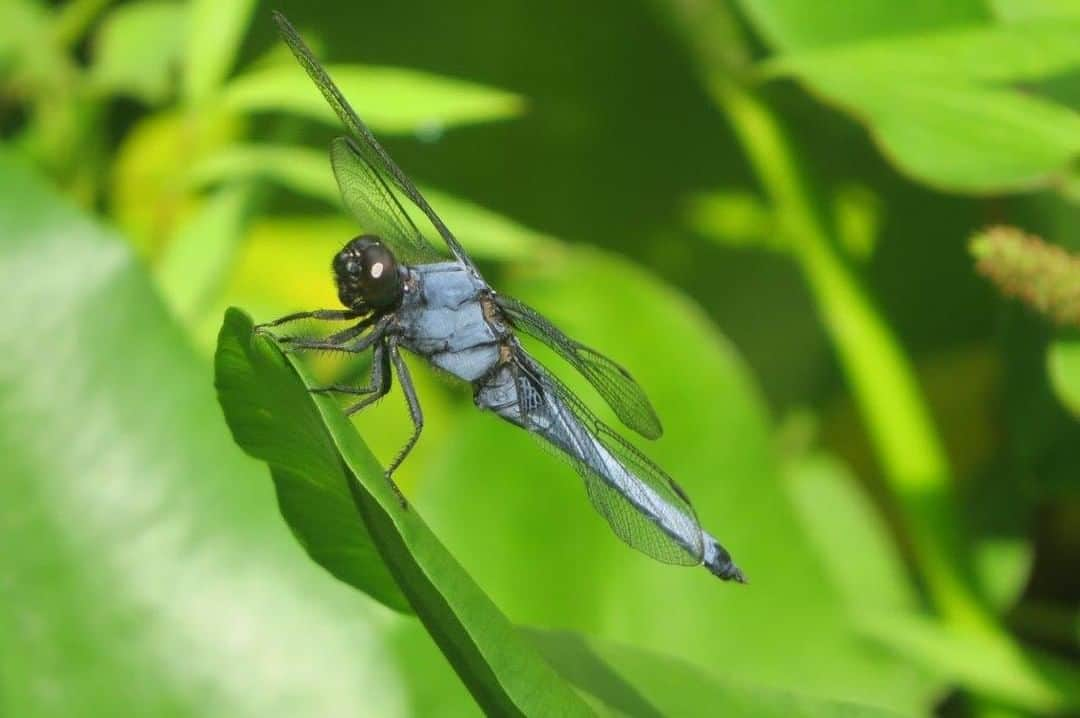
(367,275)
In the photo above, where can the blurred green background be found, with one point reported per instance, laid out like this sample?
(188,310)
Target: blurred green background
(761,207)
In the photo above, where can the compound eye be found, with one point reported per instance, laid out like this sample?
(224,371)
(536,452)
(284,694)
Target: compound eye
(380,279)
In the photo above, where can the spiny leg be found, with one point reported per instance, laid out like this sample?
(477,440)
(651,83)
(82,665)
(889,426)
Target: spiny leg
(380,381)
(326,314)
(340,337)
(415,412)
(378,331)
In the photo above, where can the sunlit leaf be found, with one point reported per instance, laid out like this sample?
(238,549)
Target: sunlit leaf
(146,569)
(215,30)
(389,99)
(137,48)
(306,171)
(804,24)
(937,105)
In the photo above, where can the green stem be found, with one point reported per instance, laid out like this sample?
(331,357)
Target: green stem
(881,378)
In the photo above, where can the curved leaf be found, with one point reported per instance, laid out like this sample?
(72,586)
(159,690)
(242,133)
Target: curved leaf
(390,99)
(323,469)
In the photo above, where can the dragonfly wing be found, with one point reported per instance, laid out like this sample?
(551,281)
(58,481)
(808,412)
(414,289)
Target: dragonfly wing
(643,505)
(375,157)
(614,383)
(374,204)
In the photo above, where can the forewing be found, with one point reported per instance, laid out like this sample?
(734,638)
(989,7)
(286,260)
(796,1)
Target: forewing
(373,203)
(375,157)
(614,383)
(643,505)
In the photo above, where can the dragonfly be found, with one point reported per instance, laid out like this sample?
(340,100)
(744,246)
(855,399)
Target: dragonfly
(401,291)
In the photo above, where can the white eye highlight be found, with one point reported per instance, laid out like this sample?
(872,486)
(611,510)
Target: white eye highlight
(376,270)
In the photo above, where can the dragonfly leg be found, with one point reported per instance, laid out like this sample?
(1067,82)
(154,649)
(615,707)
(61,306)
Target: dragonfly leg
(378,331)
(414,406)
(380,381)
(338,338)
(326,314)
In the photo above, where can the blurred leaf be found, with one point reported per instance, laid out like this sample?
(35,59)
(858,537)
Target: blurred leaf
(486,234)
(322,468)
(735,218)
(717,445)
(196,259)
(215,31)
(1063,365)
(1003,566)
(389,99)
(992,667)
(150,195)
(857,213)
(146,569)
(936,105)
(137,47)
(643,684)
(804,24)
(989,54)
(850,536)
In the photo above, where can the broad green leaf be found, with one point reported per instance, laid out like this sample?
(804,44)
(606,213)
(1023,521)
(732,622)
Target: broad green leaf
(850,535)
(322,468)
(137,48)
(936,105)
(990,53)
(215,30)
(648,685)
(494,481)
(804,24)
(146,569)
(389,99)
(1063,365)
(307,171)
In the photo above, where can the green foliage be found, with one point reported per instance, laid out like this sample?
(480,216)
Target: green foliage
(910,532)
(940,104)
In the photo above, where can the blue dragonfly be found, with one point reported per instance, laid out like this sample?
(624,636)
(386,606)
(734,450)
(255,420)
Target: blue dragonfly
(400,291)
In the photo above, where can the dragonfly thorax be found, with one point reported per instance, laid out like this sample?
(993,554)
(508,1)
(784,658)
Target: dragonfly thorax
(367,275)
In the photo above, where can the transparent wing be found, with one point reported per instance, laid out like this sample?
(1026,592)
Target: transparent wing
(643,505)
(372,155)
(624,395)
(371,201)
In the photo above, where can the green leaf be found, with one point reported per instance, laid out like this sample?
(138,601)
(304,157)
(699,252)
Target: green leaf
(644,684)
(937,106)
(137,48)
(146,569)
(389,99)
(804,24)
(215,31)
(307,171)
(838,517)
(322,468)
(716,444)
(1063,365)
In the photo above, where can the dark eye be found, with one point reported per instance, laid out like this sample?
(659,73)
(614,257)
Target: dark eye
(352,267)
